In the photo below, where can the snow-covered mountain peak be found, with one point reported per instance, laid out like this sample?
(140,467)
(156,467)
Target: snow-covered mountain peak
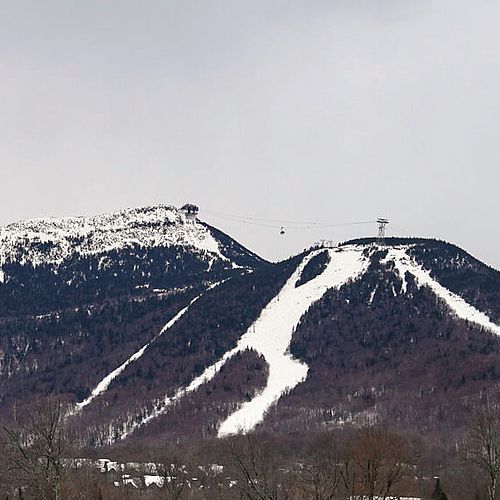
(51,240)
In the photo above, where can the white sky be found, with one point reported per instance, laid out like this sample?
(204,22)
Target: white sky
(330,111)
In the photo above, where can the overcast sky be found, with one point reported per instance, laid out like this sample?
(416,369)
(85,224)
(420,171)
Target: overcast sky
(327,111)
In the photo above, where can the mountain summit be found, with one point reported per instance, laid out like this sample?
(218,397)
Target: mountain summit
(45,261)
(54,240)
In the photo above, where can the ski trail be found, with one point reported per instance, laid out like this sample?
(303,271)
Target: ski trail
(161,407)
(404,263)
(270,336)
(272,333)
(103,385)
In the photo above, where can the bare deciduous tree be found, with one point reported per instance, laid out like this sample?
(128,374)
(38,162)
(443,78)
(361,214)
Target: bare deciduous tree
(256,469)
(35,447)
(483,443)
(321,479)
(375,462)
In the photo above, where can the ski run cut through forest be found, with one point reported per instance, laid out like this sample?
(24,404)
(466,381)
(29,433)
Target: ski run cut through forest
(270,335)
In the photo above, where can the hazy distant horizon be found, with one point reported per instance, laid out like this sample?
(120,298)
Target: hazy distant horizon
(328,112)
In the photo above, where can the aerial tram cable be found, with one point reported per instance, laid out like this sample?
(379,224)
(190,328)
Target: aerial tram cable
(281,224)
(256,219)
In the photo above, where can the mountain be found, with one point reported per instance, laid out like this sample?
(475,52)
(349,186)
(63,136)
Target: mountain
(359,333)
(77,295)
(60,262)
(183,333)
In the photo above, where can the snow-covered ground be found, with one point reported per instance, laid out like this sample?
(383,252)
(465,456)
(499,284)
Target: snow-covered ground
(51,240)
(463,310)
(270,335)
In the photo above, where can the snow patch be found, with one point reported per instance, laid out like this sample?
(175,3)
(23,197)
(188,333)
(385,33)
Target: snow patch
(154,480)
(372,295)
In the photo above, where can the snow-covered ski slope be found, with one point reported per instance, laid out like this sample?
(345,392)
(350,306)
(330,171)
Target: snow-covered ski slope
(103,385)
(270,336)
(462,309)
(272,333)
